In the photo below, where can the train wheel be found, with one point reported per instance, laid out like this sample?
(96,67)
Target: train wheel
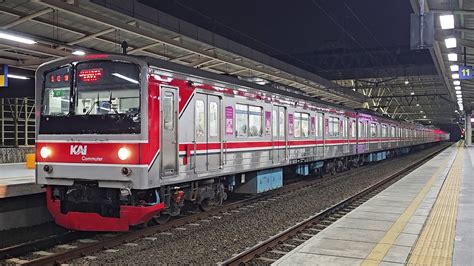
(161,219)
(204,205)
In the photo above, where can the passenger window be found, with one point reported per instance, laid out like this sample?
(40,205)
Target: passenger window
(353,129)
(281,119)
(297,130)
(241,117)
(200,119)
(213,120)
(373,130)
(384,131)
(168,111)
(274,123)
(320,126)
(255,121)
(333,126)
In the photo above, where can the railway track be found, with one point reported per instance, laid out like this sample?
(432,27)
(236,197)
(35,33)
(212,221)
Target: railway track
(107,242)
(277,246)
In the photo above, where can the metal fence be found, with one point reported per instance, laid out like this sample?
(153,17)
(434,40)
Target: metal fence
(17,122)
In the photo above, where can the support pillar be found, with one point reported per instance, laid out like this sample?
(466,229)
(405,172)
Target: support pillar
(468,130)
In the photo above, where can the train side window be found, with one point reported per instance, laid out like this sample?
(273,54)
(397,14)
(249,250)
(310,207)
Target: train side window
(213,120)
(333,126)
(255,121)
(297,130)
(353,129)
(373,130)
(274,123)
(301,125)
(281,121)
(200,119)
(392,131)
(241,120)
(168,111)
(319,129)
(384,131)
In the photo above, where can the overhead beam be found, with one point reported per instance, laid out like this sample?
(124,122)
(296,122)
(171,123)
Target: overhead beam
(26,18)
(104,20)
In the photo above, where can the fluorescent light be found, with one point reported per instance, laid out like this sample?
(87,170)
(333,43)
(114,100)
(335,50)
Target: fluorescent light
(125,78)
(456,83)
(458,92)
(458,88)
(461,108)
(459,96)
(412,93)
(450,42)
(15,38)
(17,76)
(454,68)
(79,52)
(417,104)
(447,22)
(455,76)
(453,57)
(406,82)
(424,116)
(421,111)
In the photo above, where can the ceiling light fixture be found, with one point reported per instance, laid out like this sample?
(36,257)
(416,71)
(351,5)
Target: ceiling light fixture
(456,83)
(458,92)
(458,88)
(454,68)
(450,42)
(11,37)
(16,76)
(447,22)
(455,76)
(453,57)
(412,93)
(79,53)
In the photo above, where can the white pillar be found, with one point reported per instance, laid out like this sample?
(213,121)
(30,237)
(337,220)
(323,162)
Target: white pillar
(468,130)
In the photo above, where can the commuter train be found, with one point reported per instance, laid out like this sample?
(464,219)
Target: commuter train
(121,140)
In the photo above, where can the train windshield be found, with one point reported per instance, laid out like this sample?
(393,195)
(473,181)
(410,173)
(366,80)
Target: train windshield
(100,97)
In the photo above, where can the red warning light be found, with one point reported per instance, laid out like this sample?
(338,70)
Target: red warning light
(90,75)
(58,78)
(51,78)
(66,77)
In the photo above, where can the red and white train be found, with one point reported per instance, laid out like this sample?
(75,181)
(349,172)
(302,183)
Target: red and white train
(123,139)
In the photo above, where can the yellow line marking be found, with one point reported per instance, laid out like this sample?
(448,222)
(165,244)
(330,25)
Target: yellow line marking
(380,250)
(436,242)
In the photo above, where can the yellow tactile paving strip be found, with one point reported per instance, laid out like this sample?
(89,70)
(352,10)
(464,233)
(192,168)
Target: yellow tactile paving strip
(380,250)
(436,242)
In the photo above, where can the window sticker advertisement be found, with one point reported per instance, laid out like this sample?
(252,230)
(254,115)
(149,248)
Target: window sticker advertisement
(313,125)
(229,120)
(290,124)
(268,122)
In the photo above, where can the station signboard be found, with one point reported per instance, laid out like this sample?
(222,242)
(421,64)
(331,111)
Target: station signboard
(465,72)
(3,75)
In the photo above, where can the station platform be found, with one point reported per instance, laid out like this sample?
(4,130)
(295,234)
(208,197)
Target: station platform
(17,180)
(425,218)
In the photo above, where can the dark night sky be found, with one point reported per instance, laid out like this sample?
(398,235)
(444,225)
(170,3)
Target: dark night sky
(299,26)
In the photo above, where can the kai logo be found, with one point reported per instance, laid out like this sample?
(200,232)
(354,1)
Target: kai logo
(78,150)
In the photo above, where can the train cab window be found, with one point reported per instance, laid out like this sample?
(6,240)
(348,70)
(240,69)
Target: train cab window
(301,125)
(373,130)
(333,129)
(57,92)
(168,111)
(200,119)
(213,122)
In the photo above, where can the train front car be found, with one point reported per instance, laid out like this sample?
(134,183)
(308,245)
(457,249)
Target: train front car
(92,145)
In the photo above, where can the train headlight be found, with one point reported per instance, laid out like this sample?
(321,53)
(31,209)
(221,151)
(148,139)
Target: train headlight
(45,152)
(123,153)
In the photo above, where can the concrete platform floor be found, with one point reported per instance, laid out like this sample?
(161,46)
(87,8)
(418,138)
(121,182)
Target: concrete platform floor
(17,180)
(386,229)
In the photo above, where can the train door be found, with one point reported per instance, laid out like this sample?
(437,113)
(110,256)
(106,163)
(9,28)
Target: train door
(279,134)
(207,133)
(345,134)
(367,135)
(169,136)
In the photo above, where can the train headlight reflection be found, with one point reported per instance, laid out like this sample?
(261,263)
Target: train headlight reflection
(45,152)
(123,153)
